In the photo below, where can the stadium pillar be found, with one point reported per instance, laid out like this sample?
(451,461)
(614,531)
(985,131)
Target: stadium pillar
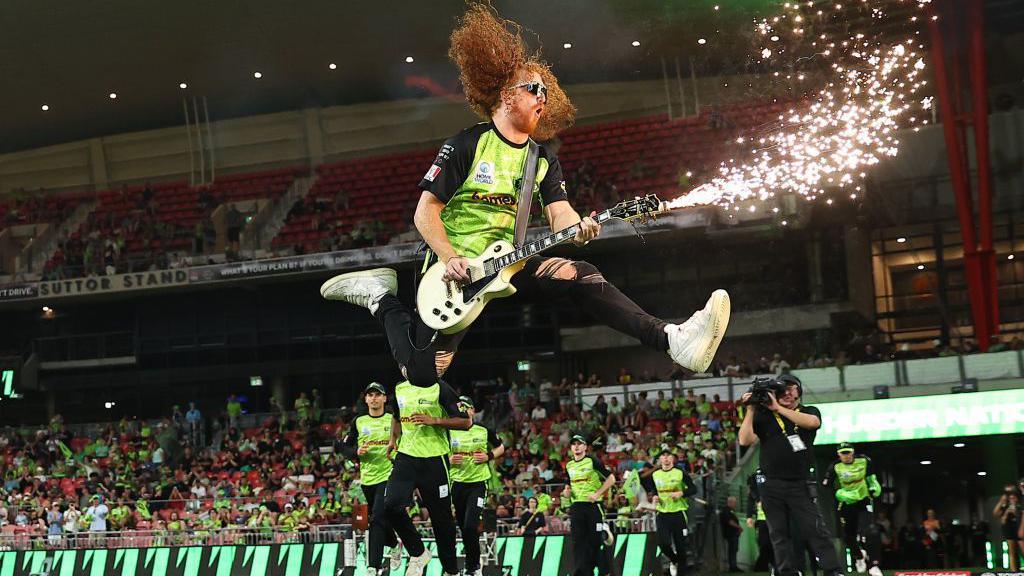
(979,106)
(954,121)
(314,136)
(98,163)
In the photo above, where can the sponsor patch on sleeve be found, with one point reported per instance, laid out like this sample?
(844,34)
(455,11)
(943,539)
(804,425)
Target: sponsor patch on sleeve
(432,173)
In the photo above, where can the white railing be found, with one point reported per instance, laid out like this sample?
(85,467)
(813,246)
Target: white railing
(27,538)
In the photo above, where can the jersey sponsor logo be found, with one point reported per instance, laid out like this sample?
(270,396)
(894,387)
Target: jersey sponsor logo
(443,154)
(456,443)
(432,173)
(365,431)
(495,199)
(484,173)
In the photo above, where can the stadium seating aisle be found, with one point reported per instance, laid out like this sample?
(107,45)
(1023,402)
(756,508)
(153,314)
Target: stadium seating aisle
(138,227)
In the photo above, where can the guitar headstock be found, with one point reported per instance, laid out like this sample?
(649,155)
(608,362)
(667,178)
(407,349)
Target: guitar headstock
(643,208)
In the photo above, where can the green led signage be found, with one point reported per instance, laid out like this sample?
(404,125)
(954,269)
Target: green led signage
(942,416)
(7,380)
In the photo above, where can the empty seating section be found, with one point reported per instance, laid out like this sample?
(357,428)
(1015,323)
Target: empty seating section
(381,189)
(164,215)
(40,208)
(384,188)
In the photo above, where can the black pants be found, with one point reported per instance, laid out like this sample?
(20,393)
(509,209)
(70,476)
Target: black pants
(425,358)
(860,533)
(381,534)
(430,477)
(732,546)
(469,504)
(765,553)
(586,519)
(671,530)
(786,501)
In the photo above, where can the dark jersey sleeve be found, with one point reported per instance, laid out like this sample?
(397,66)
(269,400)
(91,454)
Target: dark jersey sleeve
(449,401)
(492,439)
(392,407)
(600,468)
(689,488)
(452,164)
(348,444)
(830,477)
(552,187)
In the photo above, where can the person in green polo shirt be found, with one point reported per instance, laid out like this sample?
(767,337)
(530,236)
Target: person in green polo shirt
(471,455)
(856,487)
(423,416)
(589,481)
(367,439)
(672,488)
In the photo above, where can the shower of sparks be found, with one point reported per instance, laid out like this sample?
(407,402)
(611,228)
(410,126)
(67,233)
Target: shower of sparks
(829,141)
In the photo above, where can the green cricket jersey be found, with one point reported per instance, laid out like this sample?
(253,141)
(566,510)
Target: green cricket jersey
(477,174)
(374,432)
(439,401)
(585,477)
(674,480)
(467,443)
(852,482)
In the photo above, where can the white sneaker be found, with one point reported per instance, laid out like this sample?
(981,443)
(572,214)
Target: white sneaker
(875,571)
(860,565)
(693,343)
(478,572)
(673,570)
(396,557)
(418,564)
(369,571)
(364,288)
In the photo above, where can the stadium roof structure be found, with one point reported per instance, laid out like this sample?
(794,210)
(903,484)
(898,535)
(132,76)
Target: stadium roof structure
(72,56)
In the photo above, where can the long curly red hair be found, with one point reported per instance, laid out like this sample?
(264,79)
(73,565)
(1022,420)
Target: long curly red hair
(492,56)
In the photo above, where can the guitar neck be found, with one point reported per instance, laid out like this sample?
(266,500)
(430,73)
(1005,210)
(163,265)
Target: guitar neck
(543,243)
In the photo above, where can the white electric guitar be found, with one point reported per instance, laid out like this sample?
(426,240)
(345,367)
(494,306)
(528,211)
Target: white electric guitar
(450,307)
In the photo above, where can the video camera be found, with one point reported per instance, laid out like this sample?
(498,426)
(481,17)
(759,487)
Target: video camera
(760,388)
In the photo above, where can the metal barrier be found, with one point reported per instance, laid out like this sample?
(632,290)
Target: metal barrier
(13,538)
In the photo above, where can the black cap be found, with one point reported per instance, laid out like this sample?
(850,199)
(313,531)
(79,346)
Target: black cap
(467,401)
(790,379)
(578,438)
(666,450)
(845,447)
(375,387)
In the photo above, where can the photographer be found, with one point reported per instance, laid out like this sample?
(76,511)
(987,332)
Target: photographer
(786,431)
(1008,513)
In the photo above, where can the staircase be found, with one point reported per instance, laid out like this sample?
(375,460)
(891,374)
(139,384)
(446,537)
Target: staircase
(264,227)
(40,250)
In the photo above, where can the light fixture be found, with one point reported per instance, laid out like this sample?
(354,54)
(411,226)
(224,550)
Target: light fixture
(109,405)
(717,6)
(567,45)
(1010,257)
(920,266)
(959,445)
(409,60)
(113,95)
(982,473)
(774,38)
(926,462)
(47,309)
(702,41)
(785,223)
(46,108)
(183,85)
(636,43)
(901,240)
(332,66)
(257,75)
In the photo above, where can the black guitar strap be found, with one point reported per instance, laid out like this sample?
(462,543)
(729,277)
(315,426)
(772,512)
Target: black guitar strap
(526,192)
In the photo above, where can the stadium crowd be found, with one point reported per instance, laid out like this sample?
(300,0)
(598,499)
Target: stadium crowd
(287,475)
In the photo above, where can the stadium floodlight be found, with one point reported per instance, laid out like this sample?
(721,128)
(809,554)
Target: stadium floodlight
(926,462)
(183,85)
(113,95)
(409,59)
(332,66)
(46,108)
(567,45)
(257,75)
(636,43)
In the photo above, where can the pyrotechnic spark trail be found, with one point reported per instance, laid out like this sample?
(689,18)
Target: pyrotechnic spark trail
(828,143)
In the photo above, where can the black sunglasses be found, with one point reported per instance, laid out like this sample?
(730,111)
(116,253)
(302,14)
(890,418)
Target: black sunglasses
(535,88)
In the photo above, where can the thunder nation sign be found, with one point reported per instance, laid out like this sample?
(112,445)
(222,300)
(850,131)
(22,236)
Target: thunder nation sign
(114,283)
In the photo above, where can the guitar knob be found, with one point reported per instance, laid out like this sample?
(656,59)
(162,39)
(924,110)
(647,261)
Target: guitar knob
(458,311)
(444,318)
(448,303)
(436,312)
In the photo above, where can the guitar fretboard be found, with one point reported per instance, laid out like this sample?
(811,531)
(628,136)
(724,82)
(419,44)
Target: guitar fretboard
(540,244)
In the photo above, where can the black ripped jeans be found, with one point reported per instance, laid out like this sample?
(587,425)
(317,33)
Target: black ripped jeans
(425,360)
